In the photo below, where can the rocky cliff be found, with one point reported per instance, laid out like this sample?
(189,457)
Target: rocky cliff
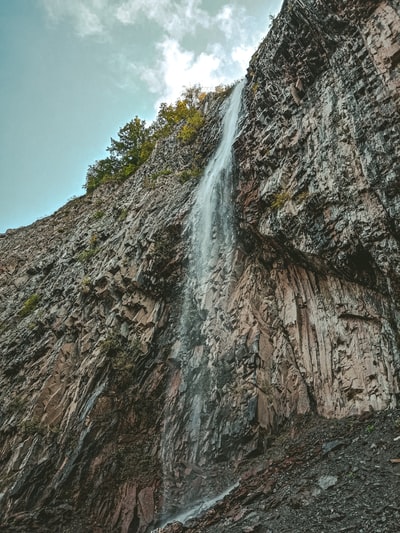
(91,297)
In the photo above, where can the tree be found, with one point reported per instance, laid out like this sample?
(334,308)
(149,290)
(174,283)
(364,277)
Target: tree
(100,172)
(128,147)
(136,141)
(133,146)
(193,96)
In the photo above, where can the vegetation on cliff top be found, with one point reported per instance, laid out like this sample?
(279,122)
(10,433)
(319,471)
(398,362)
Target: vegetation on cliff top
(136,140)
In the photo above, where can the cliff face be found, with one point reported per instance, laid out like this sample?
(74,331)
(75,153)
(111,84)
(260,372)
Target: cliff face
(319,195)
(91,297)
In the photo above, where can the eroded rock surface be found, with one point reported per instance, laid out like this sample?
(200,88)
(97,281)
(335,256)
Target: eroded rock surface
(318,200)
(90,298)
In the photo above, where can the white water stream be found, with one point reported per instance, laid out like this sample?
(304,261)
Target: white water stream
(211,241)
(211,219)
(198,508)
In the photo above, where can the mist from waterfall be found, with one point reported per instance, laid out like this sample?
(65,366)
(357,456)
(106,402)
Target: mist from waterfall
(211,244)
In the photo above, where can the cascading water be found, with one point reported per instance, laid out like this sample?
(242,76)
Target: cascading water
(193,391)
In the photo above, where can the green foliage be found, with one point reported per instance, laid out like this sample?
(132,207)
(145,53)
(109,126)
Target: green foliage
(280,200)
(193,96)
(90,252)
(127,153)
(32,427)
(192,125)
(150,181)
(93,241)
(120,351)
(86,285)
(224,90)
(185,111)
(136,140)
(122,214)
(29,305)
(98,214)
(188,174)
(131,137)
(86,255)
(302,197)
(160,173)
(100,172)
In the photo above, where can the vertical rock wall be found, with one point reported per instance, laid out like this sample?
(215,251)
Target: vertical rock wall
(89,310)
(319,200)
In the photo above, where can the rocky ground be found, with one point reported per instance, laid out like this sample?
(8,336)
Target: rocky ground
(318,476)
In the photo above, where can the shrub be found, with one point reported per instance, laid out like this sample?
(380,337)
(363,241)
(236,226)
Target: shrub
(280,200)
(224,90)
(127,153)
(98,214)
(29,305)
(93,240)
(191,127)
(87,255)
(123,214)
(100,172)
(86,285)
(90,252)
(188,174)
(120,351)
(149,182)
(302,197)
(32,426)
(136,140)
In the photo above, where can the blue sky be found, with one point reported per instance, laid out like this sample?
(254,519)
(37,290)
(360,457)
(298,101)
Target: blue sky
(72,72)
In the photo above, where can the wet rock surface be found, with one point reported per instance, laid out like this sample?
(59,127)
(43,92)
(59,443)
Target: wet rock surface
(318,476)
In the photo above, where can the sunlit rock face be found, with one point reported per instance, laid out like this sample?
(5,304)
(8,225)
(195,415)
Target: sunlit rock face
(91,298)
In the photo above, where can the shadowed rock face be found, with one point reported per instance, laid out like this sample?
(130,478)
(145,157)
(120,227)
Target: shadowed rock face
(90,298)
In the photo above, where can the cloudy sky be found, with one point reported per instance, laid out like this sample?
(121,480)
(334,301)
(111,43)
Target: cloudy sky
(72,72)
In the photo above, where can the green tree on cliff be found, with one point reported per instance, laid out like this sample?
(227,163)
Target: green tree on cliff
(136,141)
(127,153)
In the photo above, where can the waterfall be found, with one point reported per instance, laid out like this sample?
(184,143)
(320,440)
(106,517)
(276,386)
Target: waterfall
(211,218)
(193,390)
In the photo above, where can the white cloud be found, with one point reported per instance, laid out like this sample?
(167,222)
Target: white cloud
(177,18)
(238,27)
(233,38)
(88,23)
(127,12)
(225,20)
(85,14)
(167,63)
(178,68)
(242,55)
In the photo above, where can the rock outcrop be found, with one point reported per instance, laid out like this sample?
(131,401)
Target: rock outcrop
(319,193)
(90,297)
